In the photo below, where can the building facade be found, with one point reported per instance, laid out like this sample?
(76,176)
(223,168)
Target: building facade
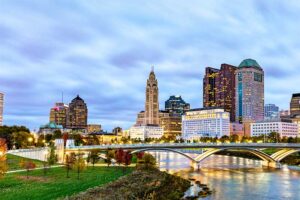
(295,105)
(94,128)
(198,123)
(146,131)
(175,104)
(151,104)
(78,114)
(271,111)
(58,114)
(1,108)
(249,91)
(219,88)
(171,124)
(284,129)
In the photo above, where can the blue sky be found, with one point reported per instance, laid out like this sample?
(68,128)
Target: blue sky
(104,50)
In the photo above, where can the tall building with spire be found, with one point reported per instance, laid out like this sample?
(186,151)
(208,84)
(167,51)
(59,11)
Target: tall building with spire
(148,121)
(151,104)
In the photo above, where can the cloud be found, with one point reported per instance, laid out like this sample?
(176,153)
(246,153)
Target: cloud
(103,50)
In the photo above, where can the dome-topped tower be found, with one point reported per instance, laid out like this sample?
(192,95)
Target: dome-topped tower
(249,63)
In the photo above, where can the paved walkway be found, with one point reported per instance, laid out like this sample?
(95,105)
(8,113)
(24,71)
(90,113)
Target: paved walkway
(24,170)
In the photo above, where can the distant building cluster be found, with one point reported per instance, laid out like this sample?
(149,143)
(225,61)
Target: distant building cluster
(233,104)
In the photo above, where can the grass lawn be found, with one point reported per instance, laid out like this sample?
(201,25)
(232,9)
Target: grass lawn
(55,184)
(13,162)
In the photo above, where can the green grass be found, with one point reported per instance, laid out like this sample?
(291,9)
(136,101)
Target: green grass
(55,184)
(13,162)
(270,151)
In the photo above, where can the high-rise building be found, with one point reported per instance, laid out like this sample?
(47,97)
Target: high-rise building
(151,113)
(77,115)
(58,114)
(197,123)
(271,111)
(148,123)
(1,108)
(175,104)
(171,123)
(249,91)
(219,89)
(152,105)
(295,105)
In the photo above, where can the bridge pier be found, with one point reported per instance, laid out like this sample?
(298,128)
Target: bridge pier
(195,165)
(275,165)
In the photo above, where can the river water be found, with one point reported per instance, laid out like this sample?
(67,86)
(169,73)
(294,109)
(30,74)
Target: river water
(234,178)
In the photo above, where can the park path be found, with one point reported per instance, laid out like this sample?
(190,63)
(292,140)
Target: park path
(24,170)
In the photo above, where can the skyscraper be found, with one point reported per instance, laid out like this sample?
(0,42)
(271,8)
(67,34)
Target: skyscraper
(151,105)
(1,108)
(175,104)
(295,105)
(249,91)
(219,89)
(77,115)
(58,114)
(271,111)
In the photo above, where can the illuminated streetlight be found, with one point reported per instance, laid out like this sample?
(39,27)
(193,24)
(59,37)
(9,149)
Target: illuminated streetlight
(30,139)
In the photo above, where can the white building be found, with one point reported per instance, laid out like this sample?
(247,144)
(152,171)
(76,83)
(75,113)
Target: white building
(199,123)
(285,129)
(143,132)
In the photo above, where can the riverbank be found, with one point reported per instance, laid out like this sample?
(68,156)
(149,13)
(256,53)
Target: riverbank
(141,184)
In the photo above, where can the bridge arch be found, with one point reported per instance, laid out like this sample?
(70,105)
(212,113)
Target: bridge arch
(258,153)
(164,149)
(279,156)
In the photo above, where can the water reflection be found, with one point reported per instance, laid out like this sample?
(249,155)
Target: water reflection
(236,178)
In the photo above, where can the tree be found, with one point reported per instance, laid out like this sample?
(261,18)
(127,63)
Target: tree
(70,160)
(6,132)
(52,158)
(147,162)
(234,138)
(119,156)
(57,134)
(28,165)
(3,149)
(224,138)
(48,138)
(79,164)
(127,158)
(274,137)
(93,157)
(110,154)
(21,139)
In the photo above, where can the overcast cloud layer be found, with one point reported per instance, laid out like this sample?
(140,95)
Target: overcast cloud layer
(104,50)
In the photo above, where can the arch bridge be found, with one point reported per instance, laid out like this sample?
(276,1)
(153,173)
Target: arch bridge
(211,148)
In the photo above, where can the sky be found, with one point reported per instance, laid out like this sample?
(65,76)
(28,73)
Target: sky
(103,51)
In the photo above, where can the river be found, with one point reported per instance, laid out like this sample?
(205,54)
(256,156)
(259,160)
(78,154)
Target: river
(234,178)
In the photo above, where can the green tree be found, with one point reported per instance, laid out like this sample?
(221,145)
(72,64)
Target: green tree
(147,162)
(79,164)
(110,154)
(57,134)
(69,162)
(234,138)
(274,137)
(224,138)
(52,158)
(93,157)
(21,139)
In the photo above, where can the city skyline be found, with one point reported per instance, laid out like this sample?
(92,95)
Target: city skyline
(92,51)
